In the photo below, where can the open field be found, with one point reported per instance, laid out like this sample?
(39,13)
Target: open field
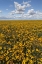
(21,42)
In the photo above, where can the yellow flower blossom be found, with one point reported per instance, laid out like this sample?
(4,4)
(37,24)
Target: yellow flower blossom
(0,47)
(7,58)
(37,49)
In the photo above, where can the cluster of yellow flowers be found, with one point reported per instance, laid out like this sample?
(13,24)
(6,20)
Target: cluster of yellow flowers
(21,43)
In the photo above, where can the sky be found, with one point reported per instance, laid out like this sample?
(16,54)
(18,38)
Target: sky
(21,9)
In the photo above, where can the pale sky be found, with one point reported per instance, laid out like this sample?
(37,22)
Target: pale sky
(21,9)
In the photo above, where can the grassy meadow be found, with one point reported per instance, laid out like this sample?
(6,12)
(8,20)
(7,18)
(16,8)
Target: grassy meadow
(20,41)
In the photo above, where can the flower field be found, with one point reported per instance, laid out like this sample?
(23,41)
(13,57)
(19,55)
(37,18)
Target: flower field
(21,42)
